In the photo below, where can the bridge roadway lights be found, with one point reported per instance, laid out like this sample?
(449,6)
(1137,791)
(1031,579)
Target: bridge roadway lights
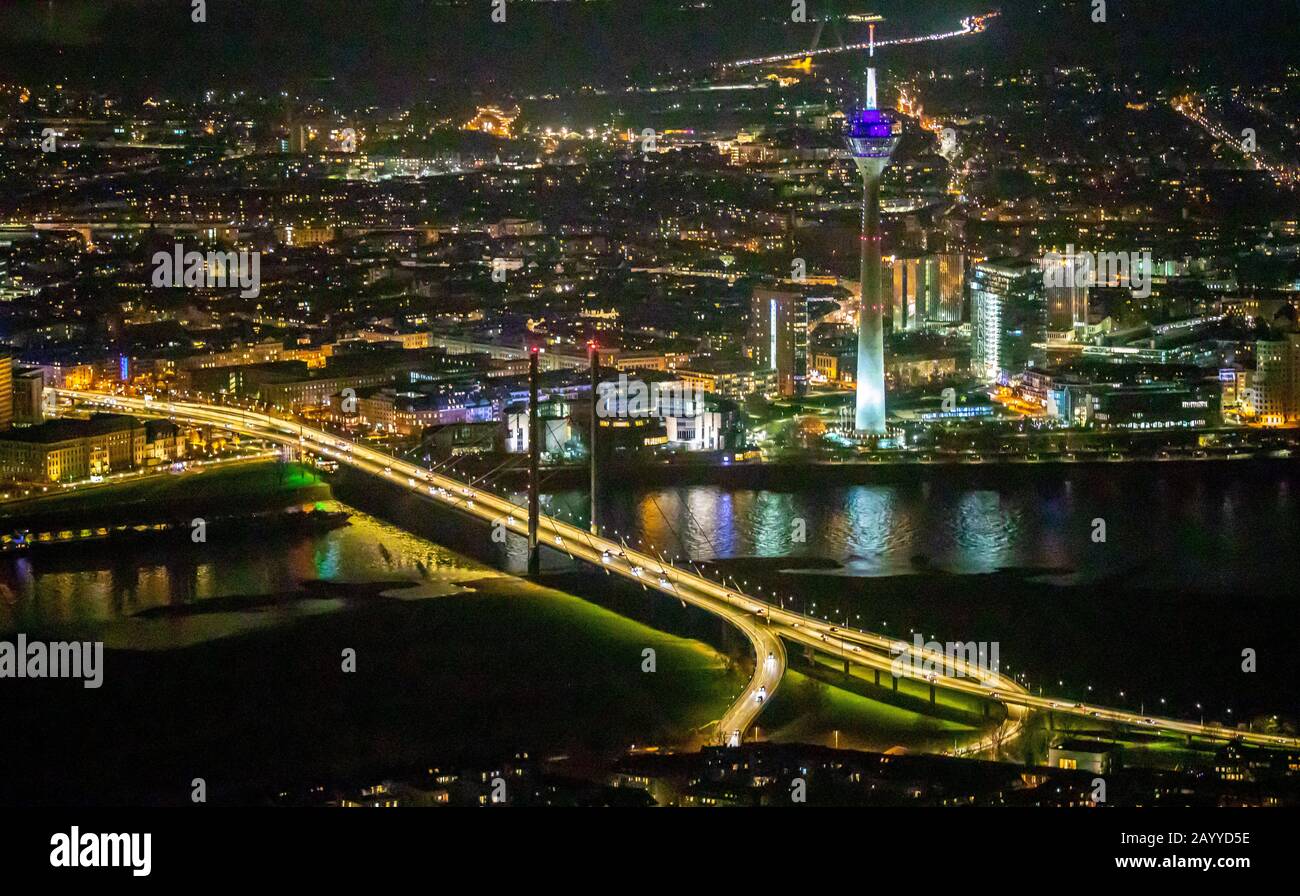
(593,357)
(534,464)
(205,414)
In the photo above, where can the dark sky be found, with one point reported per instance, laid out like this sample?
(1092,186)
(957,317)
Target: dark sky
(389,49)
(389,44)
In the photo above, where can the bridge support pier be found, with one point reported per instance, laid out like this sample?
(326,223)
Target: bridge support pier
(534,464)
(594,357)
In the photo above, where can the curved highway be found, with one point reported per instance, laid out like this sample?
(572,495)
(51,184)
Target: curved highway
(648,571)
(764,624)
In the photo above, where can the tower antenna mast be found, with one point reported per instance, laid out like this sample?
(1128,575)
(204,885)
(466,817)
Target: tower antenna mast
(871,67)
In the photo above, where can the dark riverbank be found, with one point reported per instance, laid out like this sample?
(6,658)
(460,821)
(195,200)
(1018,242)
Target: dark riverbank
(170,534)
(316,590)
(224,660)
(509,667)
(235,489)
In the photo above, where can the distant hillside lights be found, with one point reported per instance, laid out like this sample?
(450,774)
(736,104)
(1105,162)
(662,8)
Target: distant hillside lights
(214,270)
(493,120)
(1087,269)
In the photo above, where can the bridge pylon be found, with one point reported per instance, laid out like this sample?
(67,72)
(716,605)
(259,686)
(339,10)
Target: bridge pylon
(593,356)
(829,14)
(534,465)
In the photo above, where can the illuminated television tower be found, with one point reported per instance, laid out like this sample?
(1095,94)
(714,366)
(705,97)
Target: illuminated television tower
(872,138)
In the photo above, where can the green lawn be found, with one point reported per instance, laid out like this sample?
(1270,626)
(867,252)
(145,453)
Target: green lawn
(811,711)
(604,685)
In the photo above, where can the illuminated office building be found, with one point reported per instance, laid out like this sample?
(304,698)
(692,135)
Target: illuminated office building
(778,328)
(927,289)
(1008,318)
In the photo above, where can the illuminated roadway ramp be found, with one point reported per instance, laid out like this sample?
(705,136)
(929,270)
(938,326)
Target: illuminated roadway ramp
(765,625)
(646,570)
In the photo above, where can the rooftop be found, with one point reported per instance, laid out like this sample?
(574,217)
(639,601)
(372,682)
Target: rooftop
(64,430)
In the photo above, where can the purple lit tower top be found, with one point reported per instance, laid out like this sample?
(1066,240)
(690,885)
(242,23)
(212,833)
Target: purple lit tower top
(872,133)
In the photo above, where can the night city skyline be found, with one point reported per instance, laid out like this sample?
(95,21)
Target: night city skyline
(685,404)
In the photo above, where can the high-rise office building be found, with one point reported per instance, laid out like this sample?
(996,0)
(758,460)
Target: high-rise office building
(909,276)
(949,299)
(8,289)
(872,137)
(29,395)
(1008,317)
(778,336)
(6,391)
(1067,299)
(927,289)
(1067,307)
(1274,391)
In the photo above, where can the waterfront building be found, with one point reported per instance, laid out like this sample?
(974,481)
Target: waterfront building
(734,379)
(1273,396)
(778,326)
(72,449)
(1008,318)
